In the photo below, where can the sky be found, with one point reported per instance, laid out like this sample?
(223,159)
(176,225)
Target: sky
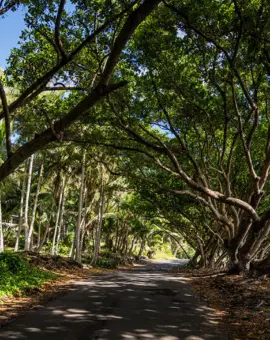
(10,30)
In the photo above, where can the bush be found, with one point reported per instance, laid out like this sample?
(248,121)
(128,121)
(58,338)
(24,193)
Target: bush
(12,262)
(104,262)
(110,260)
(17,275)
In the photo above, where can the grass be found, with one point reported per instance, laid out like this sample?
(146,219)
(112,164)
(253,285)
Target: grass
(17,276)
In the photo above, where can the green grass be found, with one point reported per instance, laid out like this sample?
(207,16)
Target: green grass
(17,276)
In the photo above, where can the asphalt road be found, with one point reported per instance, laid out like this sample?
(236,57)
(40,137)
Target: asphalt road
(144,303)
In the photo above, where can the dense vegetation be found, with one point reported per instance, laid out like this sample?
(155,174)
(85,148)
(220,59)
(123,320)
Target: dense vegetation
(130,124)
(17,275)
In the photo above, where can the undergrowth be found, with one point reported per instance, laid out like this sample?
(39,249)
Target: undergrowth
(17,276)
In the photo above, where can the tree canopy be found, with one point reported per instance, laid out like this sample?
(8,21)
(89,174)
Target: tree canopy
(151,118)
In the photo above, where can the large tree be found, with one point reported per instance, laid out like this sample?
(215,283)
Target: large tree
(57,46)
(199,111)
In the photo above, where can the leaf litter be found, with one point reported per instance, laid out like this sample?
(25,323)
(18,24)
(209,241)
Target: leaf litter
(243,304)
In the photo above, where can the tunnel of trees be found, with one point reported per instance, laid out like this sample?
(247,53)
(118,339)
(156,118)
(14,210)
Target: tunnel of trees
(129,124)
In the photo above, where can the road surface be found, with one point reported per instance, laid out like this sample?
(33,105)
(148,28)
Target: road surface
(144,303)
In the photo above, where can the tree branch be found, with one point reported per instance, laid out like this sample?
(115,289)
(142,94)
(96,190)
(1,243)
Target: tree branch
(57,30)
(8,5)
(191,183)
(64,88)
(241,132)
(128,29)
(37,87)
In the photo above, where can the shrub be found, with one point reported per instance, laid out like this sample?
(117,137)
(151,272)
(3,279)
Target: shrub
(104,262)
(12,262)
(17,275)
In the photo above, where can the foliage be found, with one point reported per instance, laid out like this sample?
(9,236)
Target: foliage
(17,276)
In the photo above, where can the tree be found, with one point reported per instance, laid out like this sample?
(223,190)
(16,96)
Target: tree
(210,110)
(101,88)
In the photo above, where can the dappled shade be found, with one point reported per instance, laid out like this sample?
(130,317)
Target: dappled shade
(140,303)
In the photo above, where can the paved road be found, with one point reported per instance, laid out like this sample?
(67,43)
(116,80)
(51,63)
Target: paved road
(144,303)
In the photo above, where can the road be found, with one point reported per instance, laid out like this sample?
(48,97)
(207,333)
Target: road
(146,302)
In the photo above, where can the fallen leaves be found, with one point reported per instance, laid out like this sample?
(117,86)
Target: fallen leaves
(245,304)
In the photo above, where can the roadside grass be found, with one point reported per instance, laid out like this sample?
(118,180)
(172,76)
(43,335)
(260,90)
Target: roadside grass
(17,276)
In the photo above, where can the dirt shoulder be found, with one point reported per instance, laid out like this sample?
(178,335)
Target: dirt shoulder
(244,305)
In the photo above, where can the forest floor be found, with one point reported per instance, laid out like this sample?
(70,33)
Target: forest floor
(65,271)
(244,304)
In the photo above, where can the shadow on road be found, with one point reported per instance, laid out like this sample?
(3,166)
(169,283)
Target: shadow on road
(144,303)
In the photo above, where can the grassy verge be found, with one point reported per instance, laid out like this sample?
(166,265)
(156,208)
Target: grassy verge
(17,276)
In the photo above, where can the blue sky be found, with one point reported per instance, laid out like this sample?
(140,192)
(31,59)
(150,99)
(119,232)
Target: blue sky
(10,30)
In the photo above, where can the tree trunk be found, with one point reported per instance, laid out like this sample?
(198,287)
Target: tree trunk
(244,249)
(82,236)
(194,259)
(17,243)
(27,199)
(177,247)
(116,237)
(30,233)
(78,257)
(132,245)
(60,220)
(58,215)
(46,232)
(99,225)
(1,229)
(39,232)
(72,249)
(142,246)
